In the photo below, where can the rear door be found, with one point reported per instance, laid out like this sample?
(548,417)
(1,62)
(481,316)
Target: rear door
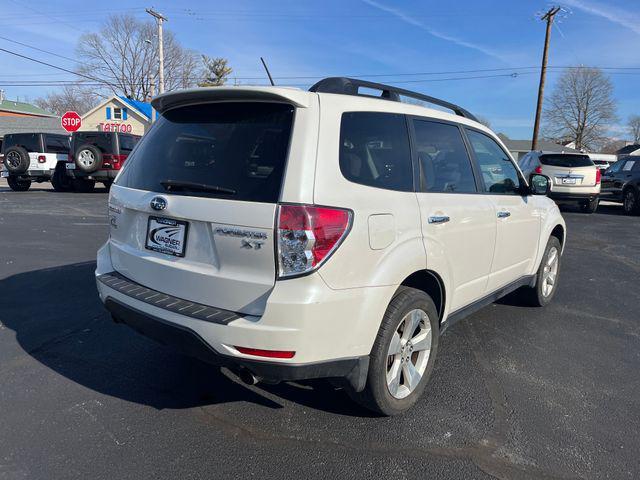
(194,206)
(517,216)
(456,220)
(609,187)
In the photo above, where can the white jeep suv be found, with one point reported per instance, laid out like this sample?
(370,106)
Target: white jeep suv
(291,235)
(35,157)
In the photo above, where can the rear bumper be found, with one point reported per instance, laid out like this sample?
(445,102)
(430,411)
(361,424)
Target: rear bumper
(331,331)
(354,370)
(569,196)
(99,175)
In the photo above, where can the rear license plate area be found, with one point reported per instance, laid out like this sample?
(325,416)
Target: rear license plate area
(568,181)
(166,235)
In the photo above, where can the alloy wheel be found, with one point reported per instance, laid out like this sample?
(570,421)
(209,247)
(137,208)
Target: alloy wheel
(408,353)
(13,159)
(629,201)
(550,272)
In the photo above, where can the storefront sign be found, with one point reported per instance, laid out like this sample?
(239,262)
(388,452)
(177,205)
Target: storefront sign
(115,127)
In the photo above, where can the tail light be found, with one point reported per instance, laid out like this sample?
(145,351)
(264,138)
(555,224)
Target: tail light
(42,159)
(113,161)
(307,235)
(598,176)
(538,169)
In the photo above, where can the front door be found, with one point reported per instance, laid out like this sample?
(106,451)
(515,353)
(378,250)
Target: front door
(519,219)
(458,223)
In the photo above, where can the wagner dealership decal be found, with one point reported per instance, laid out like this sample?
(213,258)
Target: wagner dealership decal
(166,235)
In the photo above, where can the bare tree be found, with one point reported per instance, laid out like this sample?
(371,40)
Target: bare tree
(71,98)
(581,108)
(124,55)
(484,121)
(216,71)
(634,128)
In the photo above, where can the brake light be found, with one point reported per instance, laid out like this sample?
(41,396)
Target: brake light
(256,352)
(538,169)
(307,235)
(113,161)
(42,159)
(598,176)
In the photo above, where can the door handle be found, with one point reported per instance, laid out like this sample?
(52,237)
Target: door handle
(439,219)
(504,214)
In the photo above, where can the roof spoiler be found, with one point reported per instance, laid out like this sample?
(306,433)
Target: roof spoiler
(180,98)
(351,86)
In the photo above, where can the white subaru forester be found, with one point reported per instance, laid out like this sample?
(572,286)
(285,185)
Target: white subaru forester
(332,233)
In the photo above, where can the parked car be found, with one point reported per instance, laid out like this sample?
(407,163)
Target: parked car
(603,160)
(98,157)
(291,235)
(35,157)
(621,183)
(574,177)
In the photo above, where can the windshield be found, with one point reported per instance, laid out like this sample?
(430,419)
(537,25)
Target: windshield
(567,161)
(238,147)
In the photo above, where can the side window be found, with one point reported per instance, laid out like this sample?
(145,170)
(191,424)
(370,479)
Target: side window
(628,165)
(498,172)
(56,144)
(127,142)
(616,166)
(374,150)
(443,158)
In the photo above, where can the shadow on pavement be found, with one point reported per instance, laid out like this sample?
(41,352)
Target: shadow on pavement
(68,330)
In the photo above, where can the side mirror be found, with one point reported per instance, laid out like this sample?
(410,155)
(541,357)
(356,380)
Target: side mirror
(539,184)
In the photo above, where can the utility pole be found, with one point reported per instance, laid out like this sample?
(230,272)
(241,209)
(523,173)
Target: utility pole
(548,17)
(160,18)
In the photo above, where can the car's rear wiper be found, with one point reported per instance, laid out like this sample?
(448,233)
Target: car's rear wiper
(174,185)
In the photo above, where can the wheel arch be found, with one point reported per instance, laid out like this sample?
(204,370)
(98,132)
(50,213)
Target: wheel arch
(432,284)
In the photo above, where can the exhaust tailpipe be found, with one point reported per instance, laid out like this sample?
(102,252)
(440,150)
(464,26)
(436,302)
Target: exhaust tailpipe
(247,377)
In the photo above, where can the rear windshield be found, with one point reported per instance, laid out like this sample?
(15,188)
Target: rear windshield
(29,141)
(229,150)
(567,161)
(104,141)
(127,142)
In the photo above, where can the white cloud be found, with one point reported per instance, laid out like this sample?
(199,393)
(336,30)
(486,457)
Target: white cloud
(625,18)
(449,38)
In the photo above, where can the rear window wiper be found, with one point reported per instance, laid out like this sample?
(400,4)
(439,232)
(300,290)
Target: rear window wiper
(174,185)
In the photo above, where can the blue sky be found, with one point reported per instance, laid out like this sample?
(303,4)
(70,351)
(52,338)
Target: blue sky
(393,39)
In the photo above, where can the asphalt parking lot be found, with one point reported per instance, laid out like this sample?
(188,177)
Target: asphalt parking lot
(516,392)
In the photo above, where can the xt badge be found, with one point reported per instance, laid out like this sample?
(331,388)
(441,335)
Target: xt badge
(251,244)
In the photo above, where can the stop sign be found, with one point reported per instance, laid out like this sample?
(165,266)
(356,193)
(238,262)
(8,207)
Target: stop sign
(71,121)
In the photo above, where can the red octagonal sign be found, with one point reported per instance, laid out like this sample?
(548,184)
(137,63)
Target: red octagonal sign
(71,121)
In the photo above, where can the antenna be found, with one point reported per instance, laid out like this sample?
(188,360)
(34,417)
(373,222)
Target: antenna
(264,64)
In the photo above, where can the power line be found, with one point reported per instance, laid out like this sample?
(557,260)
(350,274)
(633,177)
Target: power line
(55,66)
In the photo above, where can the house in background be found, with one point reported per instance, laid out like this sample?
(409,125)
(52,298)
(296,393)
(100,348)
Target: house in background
(118,114)
(19,117)
(633,149)
(519,148)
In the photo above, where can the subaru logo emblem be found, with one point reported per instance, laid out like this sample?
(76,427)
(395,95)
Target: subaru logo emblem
(158,203)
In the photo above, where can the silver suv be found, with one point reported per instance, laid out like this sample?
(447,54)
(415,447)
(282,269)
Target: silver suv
(329,233)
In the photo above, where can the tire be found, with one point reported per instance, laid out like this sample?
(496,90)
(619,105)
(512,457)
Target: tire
(590,206)
(88,158)
(543,292)
(18,185)
(82,185)
(16,160)
(60,181)
(630,202)
(408,307)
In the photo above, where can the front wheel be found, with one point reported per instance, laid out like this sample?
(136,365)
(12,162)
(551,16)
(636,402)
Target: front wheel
(60,181)
(403,354)
(546,277)
(18,185)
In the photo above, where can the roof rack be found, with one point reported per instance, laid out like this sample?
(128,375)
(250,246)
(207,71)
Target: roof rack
(350,86)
